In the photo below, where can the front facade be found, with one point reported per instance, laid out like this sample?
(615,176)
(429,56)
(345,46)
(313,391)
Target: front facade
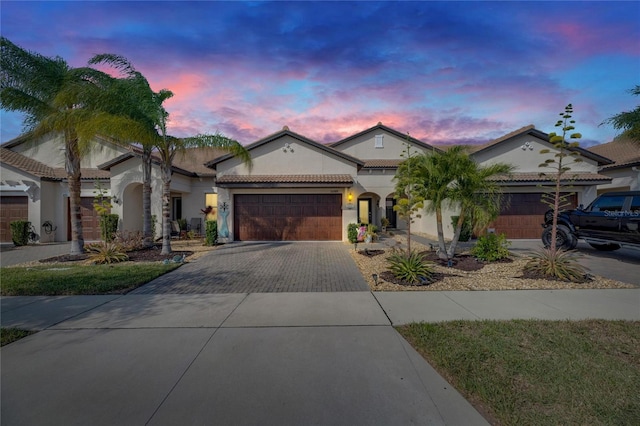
(296,189)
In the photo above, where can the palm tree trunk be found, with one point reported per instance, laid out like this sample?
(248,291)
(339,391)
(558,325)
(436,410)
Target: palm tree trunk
(442,253)
(72,166)
(146,199)
(456,235)
(166,209)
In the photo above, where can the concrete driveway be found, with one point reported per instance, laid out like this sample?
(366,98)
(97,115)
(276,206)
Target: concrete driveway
(264,267)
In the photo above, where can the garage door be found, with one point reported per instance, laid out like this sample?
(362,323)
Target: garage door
(11,208)
(523,217)
(288,217)
(90,220)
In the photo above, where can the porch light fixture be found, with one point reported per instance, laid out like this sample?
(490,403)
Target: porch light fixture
(350,197)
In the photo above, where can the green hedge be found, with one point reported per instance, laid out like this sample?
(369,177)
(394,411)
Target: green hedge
(20,232)
(211,232)
(352,233)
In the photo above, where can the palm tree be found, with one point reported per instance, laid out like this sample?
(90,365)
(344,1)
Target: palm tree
(452,179)
(145,106)
(168,147)
(628,122)
(59,99)
(478,194)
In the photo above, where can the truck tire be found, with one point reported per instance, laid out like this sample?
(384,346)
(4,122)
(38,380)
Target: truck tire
(565,240)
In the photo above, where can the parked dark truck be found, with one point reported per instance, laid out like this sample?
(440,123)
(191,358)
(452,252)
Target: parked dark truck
(611,221)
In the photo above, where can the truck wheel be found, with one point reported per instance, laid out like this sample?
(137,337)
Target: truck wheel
(605,247)
(565,240)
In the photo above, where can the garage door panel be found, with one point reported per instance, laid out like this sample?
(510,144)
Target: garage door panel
(11,208)
(288,217)
(522,215)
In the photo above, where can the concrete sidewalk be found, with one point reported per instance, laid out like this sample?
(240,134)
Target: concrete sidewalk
(264,358)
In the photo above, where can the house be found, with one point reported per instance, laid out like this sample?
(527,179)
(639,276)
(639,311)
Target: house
(297,188)
(624,171)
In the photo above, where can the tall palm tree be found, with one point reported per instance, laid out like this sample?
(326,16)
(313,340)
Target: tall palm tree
(148,110)
(145,106)
(167,148)
(57,98)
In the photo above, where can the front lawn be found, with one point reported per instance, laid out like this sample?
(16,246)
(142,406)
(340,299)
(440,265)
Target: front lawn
(62,279)
(528,372)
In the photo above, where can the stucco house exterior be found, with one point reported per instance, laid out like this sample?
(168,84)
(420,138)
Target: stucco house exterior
(297,188)
(624,171)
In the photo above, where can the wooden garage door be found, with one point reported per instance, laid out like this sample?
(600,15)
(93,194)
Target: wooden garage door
(11,208)
(288,217)
(523,217)
(90,220)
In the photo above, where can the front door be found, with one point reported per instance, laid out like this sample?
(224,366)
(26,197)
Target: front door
(364,210)
(391,214)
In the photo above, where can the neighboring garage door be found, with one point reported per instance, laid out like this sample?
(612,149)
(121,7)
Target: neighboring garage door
(288,217)
(523,217)
(11,208)
(90,220)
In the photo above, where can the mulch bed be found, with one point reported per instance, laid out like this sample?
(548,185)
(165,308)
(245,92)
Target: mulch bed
(390,278)
(370,253)
(144,255)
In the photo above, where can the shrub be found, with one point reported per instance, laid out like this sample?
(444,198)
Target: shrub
(561,265)
(20,232)
(129,240)
(491,247)
(182,223)
(154,222)
(384,222)
(352,233)
(106,252)
(211,232)
(108,226)
(412,268)
(467,229)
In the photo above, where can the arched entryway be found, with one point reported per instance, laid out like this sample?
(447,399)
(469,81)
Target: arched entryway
(132,207)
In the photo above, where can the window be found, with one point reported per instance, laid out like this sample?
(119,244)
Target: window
(608,203)
(211,206)
(379,139)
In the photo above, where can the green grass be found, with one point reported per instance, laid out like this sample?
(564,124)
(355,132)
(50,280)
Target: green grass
(539,372)
(10,335)
(79,279)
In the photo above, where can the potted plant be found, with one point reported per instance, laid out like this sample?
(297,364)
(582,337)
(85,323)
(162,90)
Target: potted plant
(384,222)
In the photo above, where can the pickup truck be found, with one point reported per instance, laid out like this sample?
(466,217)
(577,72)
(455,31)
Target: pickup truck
(611,221)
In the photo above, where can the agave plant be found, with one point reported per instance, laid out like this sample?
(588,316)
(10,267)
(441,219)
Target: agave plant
(561,265)
(411,268)
(103,253)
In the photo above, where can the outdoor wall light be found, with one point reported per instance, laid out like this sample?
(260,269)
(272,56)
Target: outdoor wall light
(116,200)
(350,197)
(375,278)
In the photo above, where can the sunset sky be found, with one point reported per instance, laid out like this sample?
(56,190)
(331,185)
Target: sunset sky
(446,72)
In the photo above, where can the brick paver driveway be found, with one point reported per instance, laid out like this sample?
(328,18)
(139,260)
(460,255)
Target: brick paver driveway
(264,267)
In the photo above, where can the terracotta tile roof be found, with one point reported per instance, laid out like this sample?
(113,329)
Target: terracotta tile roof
(259,179)
(43,171)
(381,164)
(535,177)
(27,164)
(525,129)
(623,152)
